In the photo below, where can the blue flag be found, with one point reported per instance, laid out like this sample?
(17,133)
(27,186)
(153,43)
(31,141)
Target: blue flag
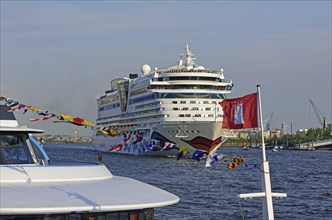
(198,154)
(180,155)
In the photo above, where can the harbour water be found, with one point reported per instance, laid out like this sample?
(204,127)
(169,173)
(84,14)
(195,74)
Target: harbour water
(211,193)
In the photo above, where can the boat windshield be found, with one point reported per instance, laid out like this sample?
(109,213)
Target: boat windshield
(14,149)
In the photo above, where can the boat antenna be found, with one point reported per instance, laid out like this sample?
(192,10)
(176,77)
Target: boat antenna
(146,57)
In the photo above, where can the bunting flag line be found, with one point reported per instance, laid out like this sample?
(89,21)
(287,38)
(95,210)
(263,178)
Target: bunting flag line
(20,106)
(15,105)
(42,119)
(76,121)
(33,108)
(108,131)
(11,103)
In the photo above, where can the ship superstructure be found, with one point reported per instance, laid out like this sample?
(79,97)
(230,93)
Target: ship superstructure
(178,105)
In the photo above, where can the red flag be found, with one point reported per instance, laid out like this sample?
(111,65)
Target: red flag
(138,139)
(240,112)
(126,138)
(116,148)
(168,146)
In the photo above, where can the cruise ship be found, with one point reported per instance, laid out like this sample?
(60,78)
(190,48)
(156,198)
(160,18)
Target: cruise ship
(173,107)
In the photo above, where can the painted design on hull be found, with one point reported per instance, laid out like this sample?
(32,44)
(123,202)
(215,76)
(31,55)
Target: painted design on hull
(138,148)
(135,145)
(203,143)
(157,136)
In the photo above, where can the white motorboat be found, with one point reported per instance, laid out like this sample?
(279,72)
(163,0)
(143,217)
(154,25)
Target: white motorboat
(31,187)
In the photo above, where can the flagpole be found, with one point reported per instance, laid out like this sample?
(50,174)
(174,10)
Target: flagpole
(261,122)
(267,204)
(266,194)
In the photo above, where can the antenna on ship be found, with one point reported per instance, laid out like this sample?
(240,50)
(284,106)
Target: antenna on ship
(190,63)
(181,61)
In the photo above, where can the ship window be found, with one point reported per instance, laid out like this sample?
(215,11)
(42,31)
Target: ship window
(210,115)
(38,152)
(183,102)
(175,108)
(123,216)
(185,108)
(208,109)
(192,102)
(174,102)
(187,115)
(14,150)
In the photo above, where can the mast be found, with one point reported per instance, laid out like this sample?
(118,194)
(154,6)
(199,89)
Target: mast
(266,194)
(190,63)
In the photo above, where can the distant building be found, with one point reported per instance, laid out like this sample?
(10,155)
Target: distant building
(66,138)
(247,134)
(301,132)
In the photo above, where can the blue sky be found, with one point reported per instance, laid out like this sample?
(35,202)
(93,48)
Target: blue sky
(59,55)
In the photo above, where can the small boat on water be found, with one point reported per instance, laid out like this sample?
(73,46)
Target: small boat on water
(32,187)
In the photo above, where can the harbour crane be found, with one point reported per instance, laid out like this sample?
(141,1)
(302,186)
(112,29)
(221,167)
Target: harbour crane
(284,127)
(319,115)
(269,123)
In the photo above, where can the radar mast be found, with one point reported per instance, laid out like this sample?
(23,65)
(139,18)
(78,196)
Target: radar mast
(190,60)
